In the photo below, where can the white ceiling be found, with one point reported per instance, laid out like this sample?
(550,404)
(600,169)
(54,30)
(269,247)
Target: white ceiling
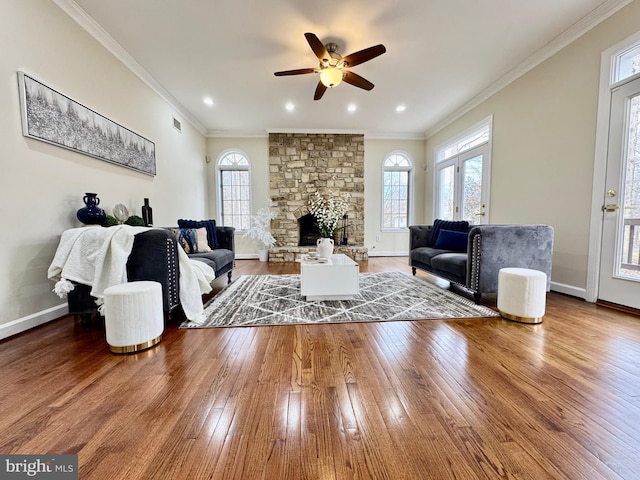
(442,56)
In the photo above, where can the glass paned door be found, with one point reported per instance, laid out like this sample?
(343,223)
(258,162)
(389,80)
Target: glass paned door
(472,205)
(446,191)
(462,187)
(619,258)
(628,264)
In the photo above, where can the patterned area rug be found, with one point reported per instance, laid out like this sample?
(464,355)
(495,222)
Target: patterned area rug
(254,300)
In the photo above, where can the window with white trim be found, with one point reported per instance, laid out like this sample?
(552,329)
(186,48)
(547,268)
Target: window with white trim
(234,192)
(627,63)
(397,188)
(462,175)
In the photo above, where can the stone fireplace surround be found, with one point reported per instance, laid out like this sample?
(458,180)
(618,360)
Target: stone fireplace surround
(301,164)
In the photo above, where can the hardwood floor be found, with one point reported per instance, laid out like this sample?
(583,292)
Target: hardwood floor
(432,399)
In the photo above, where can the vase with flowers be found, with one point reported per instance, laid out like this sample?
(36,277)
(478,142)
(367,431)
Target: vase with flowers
(327,211)
(260,230)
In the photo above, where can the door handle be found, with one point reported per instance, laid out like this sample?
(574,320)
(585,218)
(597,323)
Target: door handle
(609,207)
(481,214)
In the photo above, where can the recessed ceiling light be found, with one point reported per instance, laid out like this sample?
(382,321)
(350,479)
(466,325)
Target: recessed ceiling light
(208,101)
(290,107)
(400,108)
(352,108)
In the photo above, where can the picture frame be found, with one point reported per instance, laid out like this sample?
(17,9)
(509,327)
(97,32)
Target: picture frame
(52,117)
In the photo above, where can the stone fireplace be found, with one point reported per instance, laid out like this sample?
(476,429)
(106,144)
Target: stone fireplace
(300,165)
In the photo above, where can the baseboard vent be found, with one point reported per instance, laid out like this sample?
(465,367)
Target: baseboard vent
(177,125)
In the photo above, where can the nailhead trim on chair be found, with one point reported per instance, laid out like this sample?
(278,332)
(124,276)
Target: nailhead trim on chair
(173,274)
(475,266)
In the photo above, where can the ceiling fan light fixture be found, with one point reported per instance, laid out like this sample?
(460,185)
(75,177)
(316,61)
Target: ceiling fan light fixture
(331,76)
(333,67)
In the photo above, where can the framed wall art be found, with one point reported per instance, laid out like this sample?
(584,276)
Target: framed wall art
(52,117)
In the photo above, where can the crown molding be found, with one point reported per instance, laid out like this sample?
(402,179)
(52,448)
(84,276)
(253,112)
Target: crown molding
(582,26)
(71,8)
(317,131)
(314,131)
(394,136)
(237,134)
(368,135)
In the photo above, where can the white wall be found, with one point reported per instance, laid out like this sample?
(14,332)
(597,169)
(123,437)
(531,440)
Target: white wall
(257,151)
(375,151)
(543,146)
(41,185)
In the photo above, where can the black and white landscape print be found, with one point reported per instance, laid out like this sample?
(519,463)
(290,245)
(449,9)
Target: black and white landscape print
(54,118)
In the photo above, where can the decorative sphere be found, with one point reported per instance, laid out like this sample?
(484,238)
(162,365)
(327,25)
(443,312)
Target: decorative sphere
(120,212)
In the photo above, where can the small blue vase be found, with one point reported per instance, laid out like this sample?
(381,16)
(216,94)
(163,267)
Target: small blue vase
(91,214)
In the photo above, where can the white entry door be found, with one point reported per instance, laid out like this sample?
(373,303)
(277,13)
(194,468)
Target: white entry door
(619,258)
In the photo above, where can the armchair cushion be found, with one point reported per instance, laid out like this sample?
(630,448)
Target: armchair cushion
(453,265)
(425,254)
(187,239)
(202,239)
(452,240)
(210,225)
(456,226)
(216,259)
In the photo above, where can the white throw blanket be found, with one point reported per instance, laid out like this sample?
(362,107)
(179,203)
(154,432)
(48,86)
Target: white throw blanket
(97,257)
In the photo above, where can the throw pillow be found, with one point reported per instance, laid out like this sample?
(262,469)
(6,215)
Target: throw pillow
(210,225)
(201,238)
(452,240)
(187,239)
(459,226)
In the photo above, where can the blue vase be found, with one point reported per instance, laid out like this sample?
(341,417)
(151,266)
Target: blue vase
(91,214)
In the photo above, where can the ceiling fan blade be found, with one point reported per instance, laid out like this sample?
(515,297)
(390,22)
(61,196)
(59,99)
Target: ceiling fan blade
(300,71)
(318,47)
(363,55)
(320,89)
(356,80)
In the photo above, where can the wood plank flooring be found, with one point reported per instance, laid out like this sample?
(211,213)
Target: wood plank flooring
(432,399)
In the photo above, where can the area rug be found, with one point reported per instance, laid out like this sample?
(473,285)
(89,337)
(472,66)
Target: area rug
(254,300)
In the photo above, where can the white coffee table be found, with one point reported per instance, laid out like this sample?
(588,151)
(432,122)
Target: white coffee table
(337,279)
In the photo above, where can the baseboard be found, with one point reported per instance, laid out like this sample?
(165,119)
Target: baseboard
(25,323)
(378,253)
(246,256)
(569,290)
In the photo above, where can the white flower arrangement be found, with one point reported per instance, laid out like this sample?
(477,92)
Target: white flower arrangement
(260,225)
(328,212)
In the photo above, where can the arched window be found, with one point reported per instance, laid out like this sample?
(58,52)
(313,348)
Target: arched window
(397,188)
(234,193)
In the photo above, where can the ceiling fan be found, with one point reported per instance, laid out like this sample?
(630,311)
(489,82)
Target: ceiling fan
(334,67)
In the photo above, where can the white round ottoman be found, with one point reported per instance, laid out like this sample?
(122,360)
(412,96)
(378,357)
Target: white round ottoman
(134,319)
(522,294)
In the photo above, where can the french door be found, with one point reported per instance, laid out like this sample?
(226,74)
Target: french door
(462,186)
(619,257)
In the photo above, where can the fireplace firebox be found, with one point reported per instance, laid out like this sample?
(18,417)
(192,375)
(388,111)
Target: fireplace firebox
(309,232)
